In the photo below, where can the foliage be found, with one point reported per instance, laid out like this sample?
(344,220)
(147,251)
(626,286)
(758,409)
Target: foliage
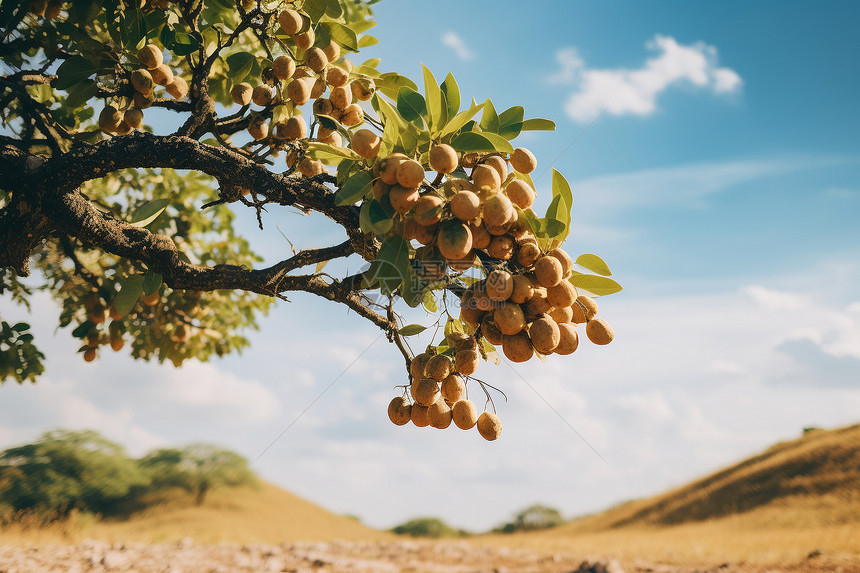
(532,518)
(431,527)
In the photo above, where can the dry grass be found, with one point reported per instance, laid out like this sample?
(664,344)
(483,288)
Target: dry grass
(245,515)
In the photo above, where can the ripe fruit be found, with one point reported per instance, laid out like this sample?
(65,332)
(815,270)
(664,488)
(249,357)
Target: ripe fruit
(299,90)
(522,289)
(561,314)
(499,164)
(568,339)
(465,414)
(452,388)
(332,51)
(527,254)
(141,80)
(143,101)
(162,75)
(520,194)
(454,240)
(309,167)
(283,67)
(443,158)
(258,128)
(538,304)
(410,173)
(322,106)
(116,343)
(133,118)
(295,128)
(337,77)
(523,160)
(150,56)
(561,295)
(500,285)
(489,426)
(517,347)
(362,88)
(465,205)
(440,415)
(509,318)
(340,97)
(90,354)
(439,367)
(262,95)
(544,334)
(425,391)
(110,119)
(486,178)
(178,88)
(548,271)
(316,59)
(498,210)
(564,259)
(151,299)
(399,411)
(480,236)
(290,21)
(584,309)
(352,115)
(388,168)
(305,40)
(490,331)
(599,331)
(366,143)
(416,367)
(428,210)
(466,362)
(403,199)
(501,247)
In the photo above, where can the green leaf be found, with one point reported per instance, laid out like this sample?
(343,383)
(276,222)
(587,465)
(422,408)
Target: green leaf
(454,325)
(410,104)
(511,122)
(489,119)
(325,152)
(73,71)
(151,282)
(315,9)
(594,263)
(411,330)
(149,212)
(354,189)
(391,265)
(429,302)
(239,66)
(366,41)
(436,108)
(130,290)
(81,93)
(452,95)
(561,188)
(390,84)
(334,10)
(373,218)
(596,285)
(480,141)
(343,35)
(461,119)
(538,124)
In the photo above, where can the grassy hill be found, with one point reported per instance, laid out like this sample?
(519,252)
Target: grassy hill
(266,514)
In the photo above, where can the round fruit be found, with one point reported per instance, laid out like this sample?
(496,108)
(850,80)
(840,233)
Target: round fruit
(564,259)
(362,89)
(466,362)
(332,51)
(499,164)
(520,193)
(337,77)
(352,115)
(90,354)
(443,158)
(143,101)
(425,391)
(489,426)
(399,411)
(322,106)
(258,128)
(561,314)
(454,240)
(490,331)
(420,415)
(305,40)
(509,318)
(500,285)
(465,205)
(480,236)
(110,119)
(162,75)
(469,160)
(416,367)
(486,178)
(452,388)
(410,173)
(388,169)
(150,56)
(141,80)
(522,289)
(133,118)
(584,309)
(482,300)
(428,210)
(527,254)
(152,299)
(498,209)
(561,295)
(548,271)
(468,343)
(116,343)
(599,331)
(538,304)
(299,90)
(465,414)
(544,334)
(262,95)
(501,247)
(403,199)
(316,60)
(283,67)
(290,21)
(517,347)
(178,88)
(310,168)
(340,97)
(523,160)
(568,339)
(438,367)
(440,415)
(366,143)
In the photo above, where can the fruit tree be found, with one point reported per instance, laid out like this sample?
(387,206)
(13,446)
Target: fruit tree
(132,131)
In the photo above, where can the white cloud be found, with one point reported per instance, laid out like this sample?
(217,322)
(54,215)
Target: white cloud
(452,40)
(622,91)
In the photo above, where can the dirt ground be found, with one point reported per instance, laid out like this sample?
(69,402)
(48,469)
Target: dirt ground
(341,557)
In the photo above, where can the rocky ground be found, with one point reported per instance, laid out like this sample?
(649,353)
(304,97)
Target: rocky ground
(406,556)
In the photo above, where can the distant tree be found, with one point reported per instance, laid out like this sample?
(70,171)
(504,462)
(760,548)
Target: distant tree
(67,470)
(428,527)
(532,518)
(196,468)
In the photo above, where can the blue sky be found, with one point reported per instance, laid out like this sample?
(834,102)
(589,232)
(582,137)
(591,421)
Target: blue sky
(722,185)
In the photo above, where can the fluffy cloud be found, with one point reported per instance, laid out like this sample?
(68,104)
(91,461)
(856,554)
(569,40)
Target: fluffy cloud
(452,40)
(623,91)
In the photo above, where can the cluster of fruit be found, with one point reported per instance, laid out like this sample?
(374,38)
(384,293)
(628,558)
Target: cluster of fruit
(153,72)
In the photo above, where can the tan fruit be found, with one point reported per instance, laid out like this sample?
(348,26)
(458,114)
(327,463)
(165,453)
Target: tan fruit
(486,178)
(568,339)
(150,56)
(332,51)
(428,210)
(465,205)
(162,75)
(340,97)
(453,388)
(366,143)
(523,160)
(497,229)
(141,80)
(498,210)
(116,343)
(337,77)
(469,160)
(133,118)
(178,88)
(499,164)
(454,240)
(480,236)
(110,119)
(538,304)
(464,414)
(471,315)
(548,271)
(544,334)
(290,21)
(584,309)
(90,354)
(416,367)
(520,193)
(443,158)
(561,314)
(440,415)
(420,415)
(322,106)
(283,67)
(501,247)
(352,115)
(490,331)
(561,295)
(489,426)
(362,89)
(262,95)
(299,90)
(258,128)
(500,285)
(399,411)
(599,331)
(123,129)
(143,101)
(302,72)
(316,59)
(439,367)
(295,128)
(452,186)
(527,254)
(522,289)
(564,259)
(152,299)
(466,362)
(410,173)
(403,199)
(305,40)
(509,318)
(389,166)
(425,391)
(310,168)
(482,300)
(517,347)
(468,343)
(421,233)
